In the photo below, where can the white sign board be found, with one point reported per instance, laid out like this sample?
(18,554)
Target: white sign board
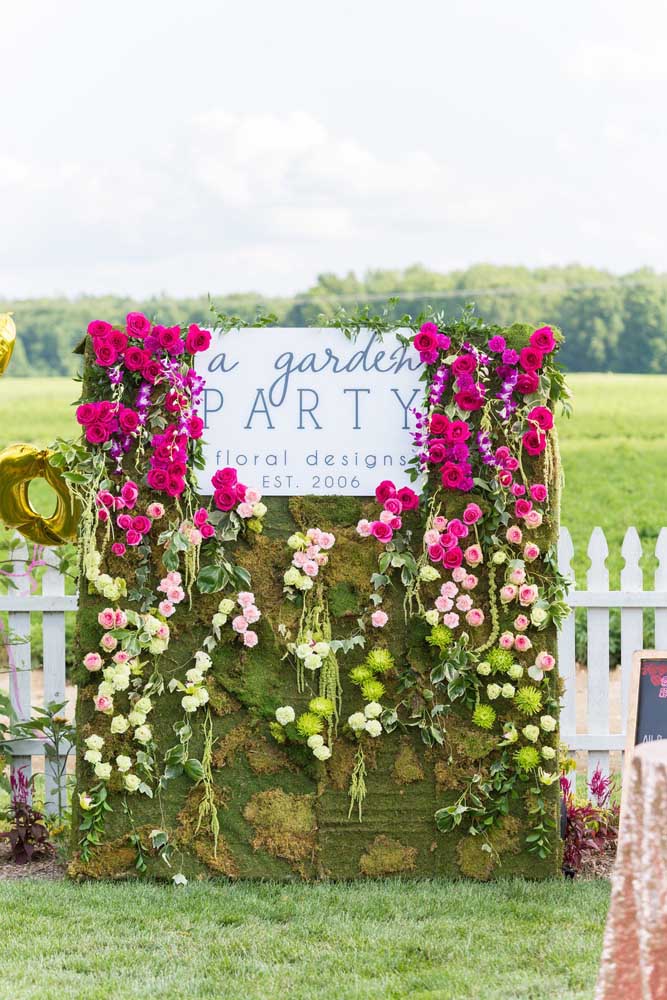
(306,410)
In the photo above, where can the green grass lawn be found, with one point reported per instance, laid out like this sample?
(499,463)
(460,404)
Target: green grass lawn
(436,940)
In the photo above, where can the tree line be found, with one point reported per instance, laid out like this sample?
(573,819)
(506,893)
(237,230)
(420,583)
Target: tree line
(611,322)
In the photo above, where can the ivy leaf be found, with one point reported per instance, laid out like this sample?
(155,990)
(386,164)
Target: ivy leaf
(194,770)
(211,579)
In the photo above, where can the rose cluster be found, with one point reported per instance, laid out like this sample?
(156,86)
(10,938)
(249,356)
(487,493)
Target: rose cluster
(451,603)
(443,539)
(448,451)
(249,615)
(114,347)
(230,494)
(395,502)
(310,555)
(103,420)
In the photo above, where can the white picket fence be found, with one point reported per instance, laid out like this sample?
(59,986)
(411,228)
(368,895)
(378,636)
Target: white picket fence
(597,738)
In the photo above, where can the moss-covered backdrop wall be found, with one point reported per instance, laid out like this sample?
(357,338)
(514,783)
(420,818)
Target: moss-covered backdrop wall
(444,795)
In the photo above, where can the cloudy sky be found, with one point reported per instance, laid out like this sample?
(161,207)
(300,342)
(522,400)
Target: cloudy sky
(223,146)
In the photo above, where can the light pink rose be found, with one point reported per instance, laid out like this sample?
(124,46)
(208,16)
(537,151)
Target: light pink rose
(155,510)
(545,661)
(321,558)
(521,623)
(514,535)
(522,643)
(194,536)
(364,528)
(107,618)
(92,662)
(475,617)
(470,581)
(311,568)
(517,575)
(314,535)
(458,574)
(252,614)
(245,598)
(386,517)
(533,519)
(312,551)
(439,523)
(473,555)
(444,604)
(173,578)
(122,656)
(431,537)
(103,704)
(449,589)
(451,620)
(506,640)
(507,593)
(250,638)
(531,551)
(120,619)
(239,624)
(327,540)
(108,642)
(175,595)
(527,594)
(379,618)
(166,608)
(463,602)
(162,632)
(252,496)
(299,559)
(244,510)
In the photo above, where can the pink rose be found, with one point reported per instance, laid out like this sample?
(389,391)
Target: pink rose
(245,598)
(92,662)
(382,531)
(299,559)
(545,661)
(118,549)
(449,589)
(521,623)
(379,619)
(239,624)
(453,557)
(522,643)
(386,516)
(252,614)
(207,531)
(133,537)
(106,618)
(166,609)
(310,568)
(162,632)
(470,581)
(531,551)
(464,602)
(393,504)
(538,492)
(440,522)
(508,593)
(517,575)
(458,574)
(197,340)
(451,619)
(472,513)
(327,540)
(475,617)
(514,534)
(444,604)
(156,511)
(103,703)
(533,519)
(120,619)
(473,555)
(364,528)
(384,490)
(527,594)
(244,510)
(108,642)
(175,595)
(506,640)
(396,524)
(250,638)
(252,495)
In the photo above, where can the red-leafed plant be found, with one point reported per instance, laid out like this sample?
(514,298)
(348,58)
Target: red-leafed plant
(29,837)
(592,825)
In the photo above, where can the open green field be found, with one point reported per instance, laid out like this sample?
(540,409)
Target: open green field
(423,940)
(614,451)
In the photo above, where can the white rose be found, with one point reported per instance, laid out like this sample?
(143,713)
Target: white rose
(203,660)
(259,509)
(484,668)
(157,646)
(131,782)
(315,741)
(373,727)
(136,718)
(295,541)
(357,722)
(194,676)
(94,742)
(189,703)
(144,705)
(508,691)
(322,753)
(105,689)
(285,715)
(121,681)
(372,710)
(548,753)
(538,616)
(515,671)
(548,723)
(532,733)
(119,724)
(312,661)
(498,557)
(143,734)
(202,696)
(151,624)
(218,620)
(428,574)
(292,577)
(303,650)
(123,763)
(493,691)
(432,616)
(92,756)
(305,583)
(103,771)
(225,608)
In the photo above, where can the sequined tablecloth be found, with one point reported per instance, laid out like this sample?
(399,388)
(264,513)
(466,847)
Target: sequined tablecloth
(634,956)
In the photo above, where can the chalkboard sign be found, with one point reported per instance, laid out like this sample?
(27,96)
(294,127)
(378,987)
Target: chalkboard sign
(647,708)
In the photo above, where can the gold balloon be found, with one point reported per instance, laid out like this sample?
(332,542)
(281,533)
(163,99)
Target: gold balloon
(19,465)
(7,340)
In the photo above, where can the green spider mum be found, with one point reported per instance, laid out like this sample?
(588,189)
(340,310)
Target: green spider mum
(309,724)
(360,674)
(380,661)
(440,636)
(277,732)
(528,700)
(527,759)
(500,659)
(484,716)
(321,706)
(372,690)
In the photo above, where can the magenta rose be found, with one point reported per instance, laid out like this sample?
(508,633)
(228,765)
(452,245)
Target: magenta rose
(458,528)
(97,433)
(497,343)
(197,340)
(472,513)
(124,521)
(129,492)
(200,517)
(224,497)
(141,523)
(393,505)
(384,490)
(534,441)
(427,339)
(538,492)
(135,358)
(118,341)
(408,498)
(170,338)
(530,359)
(175,485)
(137,325)
(195,426)
(99,328)
(105,354)
(86,413)
(157,479)
(522,507)
(437,451)
(527,383)
(118,549)
(128,420)
(447,540)
(133,537)
(435,552)
(381,531)
(207,530)
(453,557)
(543,339)
(543,417)
(451,475)
(439,423)
(465,364)
(469,399)
(458,431)
(151,370)
(224,477)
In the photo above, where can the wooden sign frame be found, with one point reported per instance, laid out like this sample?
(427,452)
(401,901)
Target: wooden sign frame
(633,695)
